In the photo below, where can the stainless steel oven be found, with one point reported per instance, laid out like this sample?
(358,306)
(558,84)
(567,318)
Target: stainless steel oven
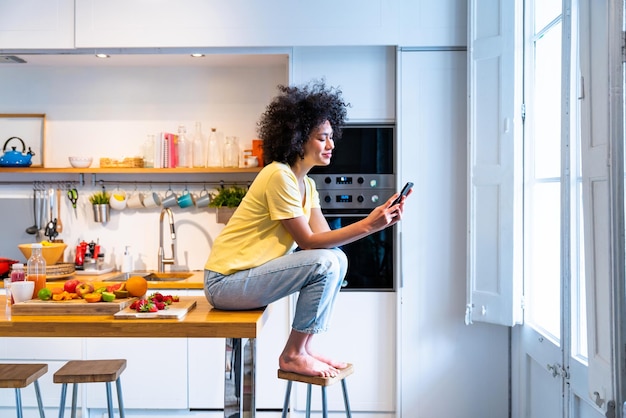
(359,178)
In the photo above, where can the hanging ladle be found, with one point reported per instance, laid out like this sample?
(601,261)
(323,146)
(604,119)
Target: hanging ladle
(32,230)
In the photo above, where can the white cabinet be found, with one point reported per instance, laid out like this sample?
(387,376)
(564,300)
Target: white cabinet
(242,23)
(362,332)
(36,24)
(155,375)
(365,75)
(433,23)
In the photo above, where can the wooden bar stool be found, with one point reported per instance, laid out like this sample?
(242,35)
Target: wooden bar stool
(89,371)
(319,381)
(19,376)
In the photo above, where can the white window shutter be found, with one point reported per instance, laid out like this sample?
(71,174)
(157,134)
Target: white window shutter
(494,270)
(596,189)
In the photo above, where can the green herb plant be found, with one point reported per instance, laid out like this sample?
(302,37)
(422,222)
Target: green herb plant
(228,196)
(99,198)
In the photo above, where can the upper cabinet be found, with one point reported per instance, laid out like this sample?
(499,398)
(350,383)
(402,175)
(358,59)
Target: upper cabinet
(366,75)
(235,23)
(75,24)
(428,23)
(38,24)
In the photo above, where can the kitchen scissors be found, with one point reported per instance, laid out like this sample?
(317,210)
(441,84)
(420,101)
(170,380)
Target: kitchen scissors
(72,194)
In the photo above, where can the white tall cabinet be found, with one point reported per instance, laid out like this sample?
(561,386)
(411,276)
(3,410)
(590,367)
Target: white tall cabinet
(447,369)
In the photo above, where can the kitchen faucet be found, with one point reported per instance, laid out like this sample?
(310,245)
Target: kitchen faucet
(162,261)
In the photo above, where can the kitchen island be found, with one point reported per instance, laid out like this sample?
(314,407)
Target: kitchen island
(202,322)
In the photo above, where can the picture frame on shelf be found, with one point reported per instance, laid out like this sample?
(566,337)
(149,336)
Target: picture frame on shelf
(30,128)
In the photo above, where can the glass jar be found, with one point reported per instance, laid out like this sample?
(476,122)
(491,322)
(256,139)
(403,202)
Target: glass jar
(231,151)
(17,272)
(36,268)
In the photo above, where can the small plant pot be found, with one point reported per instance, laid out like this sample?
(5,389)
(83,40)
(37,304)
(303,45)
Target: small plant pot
(224,214)
(101,212)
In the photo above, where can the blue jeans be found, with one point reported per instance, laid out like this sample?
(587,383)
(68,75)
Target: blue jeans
(316,274)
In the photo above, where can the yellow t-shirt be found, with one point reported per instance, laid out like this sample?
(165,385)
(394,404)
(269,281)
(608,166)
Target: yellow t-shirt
(254,235)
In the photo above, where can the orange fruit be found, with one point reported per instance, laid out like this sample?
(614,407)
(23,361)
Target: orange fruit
(136,286)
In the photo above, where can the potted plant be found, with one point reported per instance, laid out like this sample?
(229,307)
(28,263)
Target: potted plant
(226,201)
(100,204)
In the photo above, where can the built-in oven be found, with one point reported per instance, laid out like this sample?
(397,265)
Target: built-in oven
(359,178)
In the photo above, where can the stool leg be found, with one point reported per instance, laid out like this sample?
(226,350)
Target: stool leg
(120,402)
(63,393)
(74,399)
(287,396)
(18,402)
(324,403)
(109,400)
(39,402)
(308,400)
(345,398)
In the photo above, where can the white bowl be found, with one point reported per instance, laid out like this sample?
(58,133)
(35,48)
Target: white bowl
(80,162)
(22,291)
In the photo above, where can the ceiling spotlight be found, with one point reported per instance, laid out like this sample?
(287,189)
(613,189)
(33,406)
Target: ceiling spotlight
(102,55)
(197,55)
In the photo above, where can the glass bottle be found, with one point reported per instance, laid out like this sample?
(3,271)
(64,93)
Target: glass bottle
(148,151)
(36,268)
(184,149)
(231,151)
(214,153)
(199,147)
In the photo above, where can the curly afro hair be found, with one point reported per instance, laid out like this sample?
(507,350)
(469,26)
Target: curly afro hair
(294,114)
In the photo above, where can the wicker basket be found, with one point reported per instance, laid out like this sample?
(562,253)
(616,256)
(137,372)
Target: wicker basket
(128,162)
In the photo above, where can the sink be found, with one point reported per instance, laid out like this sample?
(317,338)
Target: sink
(151,276)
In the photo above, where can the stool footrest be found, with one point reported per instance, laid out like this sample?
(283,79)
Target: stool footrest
(316,380)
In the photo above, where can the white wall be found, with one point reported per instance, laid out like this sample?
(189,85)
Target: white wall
(107,111)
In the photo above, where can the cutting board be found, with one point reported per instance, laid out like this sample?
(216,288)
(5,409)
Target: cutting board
(69,307)
(176,310)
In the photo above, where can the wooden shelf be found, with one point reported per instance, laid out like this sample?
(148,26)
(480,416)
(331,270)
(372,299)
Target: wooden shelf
(68,170)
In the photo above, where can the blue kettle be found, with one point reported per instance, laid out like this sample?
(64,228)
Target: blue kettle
(15,158)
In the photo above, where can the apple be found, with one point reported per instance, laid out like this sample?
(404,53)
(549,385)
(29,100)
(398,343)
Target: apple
(84,288)
(70,285)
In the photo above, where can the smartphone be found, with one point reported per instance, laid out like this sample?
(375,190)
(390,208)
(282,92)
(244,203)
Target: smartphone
(405,191)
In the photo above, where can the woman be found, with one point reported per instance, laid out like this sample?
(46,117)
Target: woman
(253,261)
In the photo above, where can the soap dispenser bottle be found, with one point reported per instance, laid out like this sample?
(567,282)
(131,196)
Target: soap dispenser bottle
(127,262)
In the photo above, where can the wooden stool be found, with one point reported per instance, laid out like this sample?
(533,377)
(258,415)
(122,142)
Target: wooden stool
(88,371)
(319,381)
(19,376)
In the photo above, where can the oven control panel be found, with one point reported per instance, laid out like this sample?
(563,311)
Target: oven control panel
(353,191)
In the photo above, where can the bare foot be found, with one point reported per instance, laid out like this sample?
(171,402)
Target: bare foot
(333,363)
(307,365)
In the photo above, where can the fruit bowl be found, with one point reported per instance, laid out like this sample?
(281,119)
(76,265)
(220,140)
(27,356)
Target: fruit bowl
(52,252)
(80,162)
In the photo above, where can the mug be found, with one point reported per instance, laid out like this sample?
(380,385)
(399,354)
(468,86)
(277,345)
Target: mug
(203,199)
(118,200)
(151,200)
(170,200)
(135,201)
(185,199)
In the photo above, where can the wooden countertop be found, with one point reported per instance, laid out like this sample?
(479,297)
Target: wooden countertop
(196,281)
(202,322)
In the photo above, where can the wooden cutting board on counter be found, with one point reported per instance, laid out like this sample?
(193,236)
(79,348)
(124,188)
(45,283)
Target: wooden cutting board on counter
(176,310)
(69,307)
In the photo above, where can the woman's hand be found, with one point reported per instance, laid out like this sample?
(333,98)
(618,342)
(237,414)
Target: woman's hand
(386,214)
